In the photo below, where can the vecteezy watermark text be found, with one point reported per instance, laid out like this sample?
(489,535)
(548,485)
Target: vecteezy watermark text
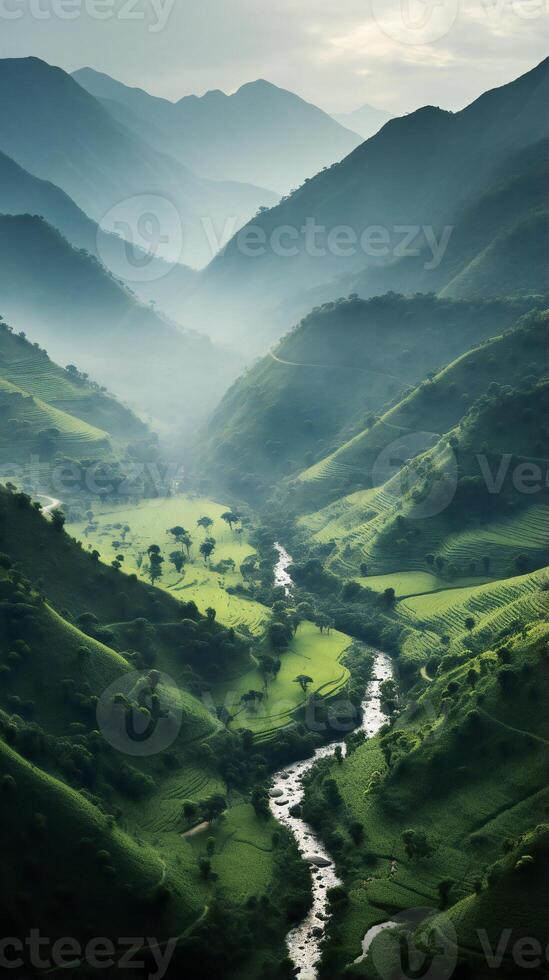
(317,241)
(43,953)
(155,13)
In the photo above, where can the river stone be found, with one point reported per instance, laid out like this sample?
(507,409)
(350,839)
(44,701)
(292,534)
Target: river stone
(317,860)
(275,793)
(280,802)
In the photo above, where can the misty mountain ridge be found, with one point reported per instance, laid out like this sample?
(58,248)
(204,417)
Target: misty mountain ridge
(56,130)
(367,121)
(261,134)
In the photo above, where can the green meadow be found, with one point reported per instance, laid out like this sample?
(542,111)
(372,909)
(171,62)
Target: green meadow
(149,523)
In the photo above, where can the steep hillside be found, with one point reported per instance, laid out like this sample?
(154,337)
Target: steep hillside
(419,173)
(67,301)
(22,193)
(436,404)
(344,363)
(83,794)
(451,799)
(57,131)
(27,366)
(261,134)
(463,504)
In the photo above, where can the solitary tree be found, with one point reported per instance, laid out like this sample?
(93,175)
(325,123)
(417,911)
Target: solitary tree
(207,549)
(205,523)
(304,681)
(230,518)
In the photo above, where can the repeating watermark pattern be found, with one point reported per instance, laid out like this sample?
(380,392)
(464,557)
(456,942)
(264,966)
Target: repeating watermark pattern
(123,480)
(419,22)
(141,238)
(155,14)
(412,947)
(399,465)
(415,21)
(100,953)
(140,714)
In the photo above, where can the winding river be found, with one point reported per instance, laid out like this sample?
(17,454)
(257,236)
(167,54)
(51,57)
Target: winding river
(304,941)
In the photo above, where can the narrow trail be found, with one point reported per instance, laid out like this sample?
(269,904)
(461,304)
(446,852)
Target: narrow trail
(51,506)
(332,367)
(510,728)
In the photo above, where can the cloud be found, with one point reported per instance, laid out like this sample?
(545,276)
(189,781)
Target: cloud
(336,55)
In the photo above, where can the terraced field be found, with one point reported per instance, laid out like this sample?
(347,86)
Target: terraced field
(24,416)
(494,607)
(149,523)
(527,534)
(415,583)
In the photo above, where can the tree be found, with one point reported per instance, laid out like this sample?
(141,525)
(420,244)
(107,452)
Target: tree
(416,844)
(260,802)
(207,549)
(177,559)
(444,889)
(252,697)
(470,623)
(155,563)
(187,542)
(356,830)
(230,518)
(472,677)
(58,519)
(210,846)
(304,681)
(189,811)
(205,523)
(178,532)
(212,808)
(389,595)
(210,615)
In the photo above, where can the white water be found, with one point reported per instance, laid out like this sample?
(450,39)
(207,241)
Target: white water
(304,940)
(281,575)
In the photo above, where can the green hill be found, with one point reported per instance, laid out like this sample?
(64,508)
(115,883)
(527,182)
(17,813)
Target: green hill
(437,403)
(341,365)
(66,300)
(76,803)
(27,366)
(423,171)
(464,770)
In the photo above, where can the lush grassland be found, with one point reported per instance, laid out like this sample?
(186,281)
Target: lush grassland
(149,523)
(437,404)
(23,417)
(27,366)
(468,781)
(318,656)
(414,583)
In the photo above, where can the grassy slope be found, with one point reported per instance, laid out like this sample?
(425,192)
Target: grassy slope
(28,367)
(467,801)
(23,417)
(436,404)
(149,523)
(340,364)
(310,652)
(147,847)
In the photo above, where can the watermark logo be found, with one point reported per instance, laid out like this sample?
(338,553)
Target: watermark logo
(140,713)
(154,13)
(405,472)
(418,943)
(415,21)
(141,238)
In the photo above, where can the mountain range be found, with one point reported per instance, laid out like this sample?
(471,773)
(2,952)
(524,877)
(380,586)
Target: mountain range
(261,134)
(413,190)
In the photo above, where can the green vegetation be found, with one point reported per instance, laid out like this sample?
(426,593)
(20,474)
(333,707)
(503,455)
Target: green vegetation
(339,367)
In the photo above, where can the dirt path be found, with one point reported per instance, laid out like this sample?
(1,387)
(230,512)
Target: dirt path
(343,367)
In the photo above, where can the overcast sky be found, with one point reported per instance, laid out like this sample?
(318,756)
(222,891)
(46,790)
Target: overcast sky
(395,54)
